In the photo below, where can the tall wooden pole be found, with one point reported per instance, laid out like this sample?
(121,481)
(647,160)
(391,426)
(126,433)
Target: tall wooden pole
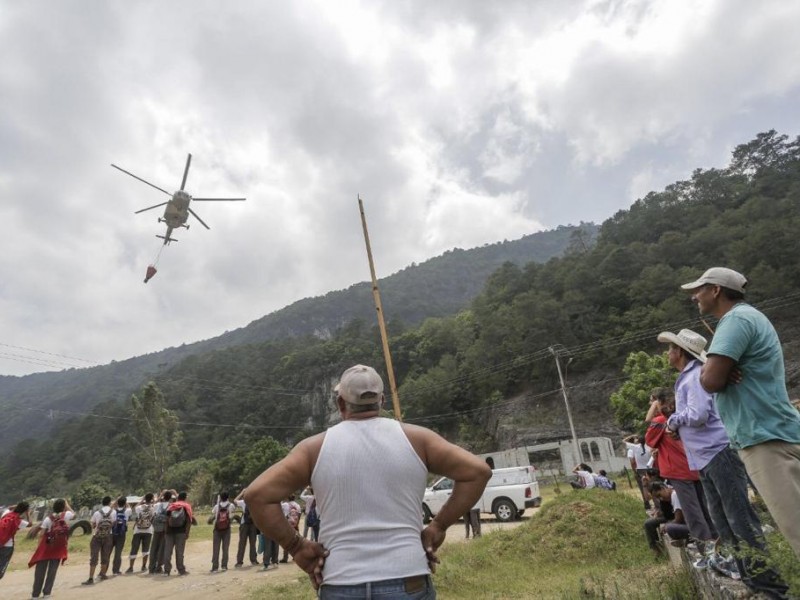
(376,296)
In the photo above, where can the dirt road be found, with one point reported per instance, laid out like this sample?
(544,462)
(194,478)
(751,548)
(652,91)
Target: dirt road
(199,584)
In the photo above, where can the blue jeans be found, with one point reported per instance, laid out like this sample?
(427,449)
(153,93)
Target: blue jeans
(725,484)
(389,589)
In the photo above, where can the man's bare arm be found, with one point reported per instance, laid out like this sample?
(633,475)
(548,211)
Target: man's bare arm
(716,373)
(264,496)
(469,473)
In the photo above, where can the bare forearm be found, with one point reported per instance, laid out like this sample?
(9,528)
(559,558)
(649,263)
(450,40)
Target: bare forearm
(272,523)
(465,495)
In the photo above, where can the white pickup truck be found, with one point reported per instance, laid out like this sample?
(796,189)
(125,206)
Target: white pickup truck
(508,493)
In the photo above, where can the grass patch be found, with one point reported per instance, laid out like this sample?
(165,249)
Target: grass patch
(586,544)
(296,590)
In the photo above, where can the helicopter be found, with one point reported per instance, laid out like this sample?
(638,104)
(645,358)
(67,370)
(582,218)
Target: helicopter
(177,209)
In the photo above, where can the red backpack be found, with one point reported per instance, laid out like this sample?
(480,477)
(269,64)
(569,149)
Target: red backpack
(9,525)
(59,530)
(223,519)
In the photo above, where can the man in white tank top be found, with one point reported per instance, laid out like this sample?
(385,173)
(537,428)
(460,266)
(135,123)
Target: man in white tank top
(369,475)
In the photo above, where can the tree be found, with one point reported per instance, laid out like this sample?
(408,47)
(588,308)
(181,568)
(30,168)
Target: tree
(644,373)
(156,431)
(244,465)
(90,492)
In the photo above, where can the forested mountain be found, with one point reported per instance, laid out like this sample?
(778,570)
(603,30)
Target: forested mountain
(484,376)
(437,287)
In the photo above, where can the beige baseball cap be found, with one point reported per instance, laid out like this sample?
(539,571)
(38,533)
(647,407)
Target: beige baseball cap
(719,276)
(360,384)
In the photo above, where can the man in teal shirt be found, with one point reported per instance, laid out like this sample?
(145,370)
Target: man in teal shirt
(745,369)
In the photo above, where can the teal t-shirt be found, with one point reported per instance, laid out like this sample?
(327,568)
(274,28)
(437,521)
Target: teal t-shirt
(757,409)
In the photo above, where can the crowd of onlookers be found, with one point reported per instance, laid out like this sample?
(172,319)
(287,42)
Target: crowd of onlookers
(159,526)
(726,430)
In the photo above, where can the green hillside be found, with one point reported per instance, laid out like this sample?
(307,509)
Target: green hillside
(484,376)
(437,287)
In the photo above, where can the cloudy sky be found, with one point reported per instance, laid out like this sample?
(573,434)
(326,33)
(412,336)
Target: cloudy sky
(459,123)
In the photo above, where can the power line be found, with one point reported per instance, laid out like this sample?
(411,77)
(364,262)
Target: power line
(91,362)
(53,411)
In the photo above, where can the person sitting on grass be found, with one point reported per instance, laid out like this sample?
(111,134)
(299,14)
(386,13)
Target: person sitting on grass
(676,528)
(661,514)
(602,481)
(584,477)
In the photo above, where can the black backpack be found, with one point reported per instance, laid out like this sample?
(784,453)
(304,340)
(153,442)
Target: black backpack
(120,526)
(160,519)
(177,518)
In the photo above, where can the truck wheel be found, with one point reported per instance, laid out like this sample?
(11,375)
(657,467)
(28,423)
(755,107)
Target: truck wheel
(83,526)
(426,514)
(504,511)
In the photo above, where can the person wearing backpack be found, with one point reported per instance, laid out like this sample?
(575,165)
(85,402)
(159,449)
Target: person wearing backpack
(11,522)
(101,545)
(291,510)
(248,532)
(221,516)
(179,523)
(159,533)
(119,532)
(142,531)
(52,548)
(312,515)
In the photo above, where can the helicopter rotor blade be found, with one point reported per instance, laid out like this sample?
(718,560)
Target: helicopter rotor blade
(218,199)
(142,180)
(186,171)
(150,207)
(194,214)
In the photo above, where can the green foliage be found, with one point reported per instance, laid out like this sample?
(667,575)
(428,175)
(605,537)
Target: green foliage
(156,433)
(90,492)
(203,488)
(181,475)
(244,465)
(644,373)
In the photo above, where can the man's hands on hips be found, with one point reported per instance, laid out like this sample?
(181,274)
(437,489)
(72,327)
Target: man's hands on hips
(310,557)
(432,537)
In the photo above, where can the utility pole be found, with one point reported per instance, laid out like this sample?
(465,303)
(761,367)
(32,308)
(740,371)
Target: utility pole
(376,295)
(576,448)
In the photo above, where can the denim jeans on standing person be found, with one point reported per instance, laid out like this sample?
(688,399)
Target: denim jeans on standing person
(725,484)
(390,589)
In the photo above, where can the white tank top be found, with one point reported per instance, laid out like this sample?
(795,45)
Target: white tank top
(369,484)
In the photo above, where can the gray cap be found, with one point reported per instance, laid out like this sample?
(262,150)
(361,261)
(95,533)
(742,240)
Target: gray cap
(719,276)
(360,384)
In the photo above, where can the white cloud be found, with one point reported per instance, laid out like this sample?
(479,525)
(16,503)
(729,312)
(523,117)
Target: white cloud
(459,123)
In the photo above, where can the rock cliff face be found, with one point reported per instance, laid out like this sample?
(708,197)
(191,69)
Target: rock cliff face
(540,415)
